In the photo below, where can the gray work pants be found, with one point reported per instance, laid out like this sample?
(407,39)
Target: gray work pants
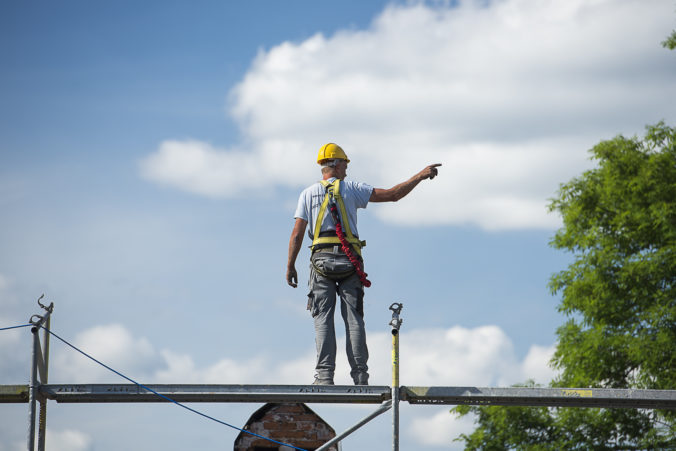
(322,305)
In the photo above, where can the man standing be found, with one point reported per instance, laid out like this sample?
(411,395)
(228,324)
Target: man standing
(330,208)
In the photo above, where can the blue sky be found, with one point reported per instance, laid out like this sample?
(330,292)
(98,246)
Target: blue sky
(152,155)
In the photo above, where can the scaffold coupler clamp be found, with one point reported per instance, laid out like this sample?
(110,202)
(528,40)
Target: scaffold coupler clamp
(396,321)
(38,320)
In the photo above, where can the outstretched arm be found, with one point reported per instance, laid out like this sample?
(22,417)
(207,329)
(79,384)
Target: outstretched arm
(398,191)
(295,243)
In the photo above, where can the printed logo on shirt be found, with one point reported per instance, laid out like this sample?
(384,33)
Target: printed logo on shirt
(317,200)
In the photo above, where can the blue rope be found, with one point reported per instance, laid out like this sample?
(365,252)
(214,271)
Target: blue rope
(15,327)
(167,398)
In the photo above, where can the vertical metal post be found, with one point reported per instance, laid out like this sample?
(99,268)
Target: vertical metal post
(396,324)
(38,377)
(32,390)
(42,426)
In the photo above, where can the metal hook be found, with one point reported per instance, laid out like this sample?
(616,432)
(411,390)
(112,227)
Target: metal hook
(36,322)
(51,305)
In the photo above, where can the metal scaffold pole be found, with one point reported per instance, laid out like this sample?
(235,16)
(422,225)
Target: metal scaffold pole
(44,379)
(384,407)
(33,390)
(38,377)
(396,324)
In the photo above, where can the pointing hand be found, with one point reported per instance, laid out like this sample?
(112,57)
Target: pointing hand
(430,171)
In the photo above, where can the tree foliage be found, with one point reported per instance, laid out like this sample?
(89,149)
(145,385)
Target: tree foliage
(619,221)
(670,42)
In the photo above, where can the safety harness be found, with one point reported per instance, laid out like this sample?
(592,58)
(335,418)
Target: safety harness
(333,201)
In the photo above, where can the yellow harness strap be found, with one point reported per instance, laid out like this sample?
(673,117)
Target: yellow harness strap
(333,192)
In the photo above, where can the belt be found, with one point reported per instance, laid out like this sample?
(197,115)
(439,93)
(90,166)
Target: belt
(333,249)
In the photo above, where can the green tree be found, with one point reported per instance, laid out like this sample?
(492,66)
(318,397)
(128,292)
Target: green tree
(619,221)
(670,42)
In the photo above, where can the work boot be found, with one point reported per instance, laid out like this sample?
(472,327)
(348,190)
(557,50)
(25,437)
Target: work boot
(361,379)
(322,381)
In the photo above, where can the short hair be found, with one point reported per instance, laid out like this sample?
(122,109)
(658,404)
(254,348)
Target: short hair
(331,163)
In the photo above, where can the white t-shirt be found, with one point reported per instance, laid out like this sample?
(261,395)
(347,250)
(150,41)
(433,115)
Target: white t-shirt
(355,195)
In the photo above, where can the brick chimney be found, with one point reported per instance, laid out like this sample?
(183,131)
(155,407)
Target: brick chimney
(292,423)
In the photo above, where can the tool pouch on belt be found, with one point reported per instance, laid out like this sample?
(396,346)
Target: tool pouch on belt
(333,266)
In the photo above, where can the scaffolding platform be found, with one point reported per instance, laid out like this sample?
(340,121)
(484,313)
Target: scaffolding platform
(13,393)
(551,397)
(106,393)
(39,391)
(346,394)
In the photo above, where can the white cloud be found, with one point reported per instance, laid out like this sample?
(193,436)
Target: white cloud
(112,345)
(180,367)
(509,96)
(483,356)
(455,356)
(535,365)
(68,440)
(441,428)
(199,168)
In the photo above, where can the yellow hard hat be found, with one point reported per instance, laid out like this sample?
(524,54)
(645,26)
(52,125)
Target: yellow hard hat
(331,151)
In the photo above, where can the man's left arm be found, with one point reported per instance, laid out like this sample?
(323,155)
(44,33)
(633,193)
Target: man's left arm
(399,191)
